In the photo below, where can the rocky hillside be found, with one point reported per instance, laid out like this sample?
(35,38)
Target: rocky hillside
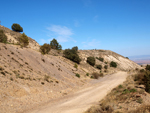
(28,78)
(123,63)
(12,37)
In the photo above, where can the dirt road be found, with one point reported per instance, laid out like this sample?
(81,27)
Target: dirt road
(83,99)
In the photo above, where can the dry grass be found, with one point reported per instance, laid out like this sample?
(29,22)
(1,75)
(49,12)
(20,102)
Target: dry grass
(142,109)
(97,109)
(96,75)
(121,97)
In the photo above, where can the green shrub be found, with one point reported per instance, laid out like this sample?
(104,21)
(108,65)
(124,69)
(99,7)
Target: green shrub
(77,75)
(100,59)
(147,82)
(91,61)
(45,48)
(99,67)
(120,86)
(133,90)
(106,66)
(17,28)
(125,91)
(142,70)
(3,37)
(55,45)
(143,78)
(72,55)
(75,48)
(75,66)
(148,67)
(87,74)
(23,40)
(113,64)
(92,77)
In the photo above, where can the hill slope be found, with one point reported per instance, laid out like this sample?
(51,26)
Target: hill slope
(123,63)
(12,37)
(28,78)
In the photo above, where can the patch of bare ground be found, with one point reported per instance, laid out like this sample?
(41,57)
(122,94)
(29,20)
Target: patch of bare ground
(129,97)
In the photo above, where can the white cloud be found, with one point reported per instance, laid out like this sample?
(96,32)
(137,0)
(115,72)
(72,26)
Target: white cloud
(91,44)
(42,41)
(61,33)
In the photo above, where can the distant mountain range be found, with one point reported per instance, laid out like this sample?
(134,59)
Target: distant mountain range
(141,59)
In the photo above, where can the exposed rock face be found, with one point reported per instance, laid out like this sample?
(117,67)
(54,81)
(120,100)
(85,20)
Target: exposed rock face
(12,37)
(123,63)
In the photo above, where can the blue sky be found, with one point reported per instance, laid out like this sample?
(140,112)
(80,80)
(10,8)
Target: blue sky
(122,26)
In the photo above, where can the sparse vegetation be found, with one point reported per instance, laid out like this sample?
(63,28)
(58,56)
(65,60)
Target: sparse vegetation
(45,48)
(120,86)
(16,27)
(148,67)
(72,55)
(99,67)
(143,78)
(103,109)
(100,59)
(139,100)
(75,66)
(55,45)
(122,96)
(3,37)
(113,64)
(77,75)
(143,109)
(23,40)
(75,48)
(96,75)
(106,66)
(87,74)
(142,70)
(91,61)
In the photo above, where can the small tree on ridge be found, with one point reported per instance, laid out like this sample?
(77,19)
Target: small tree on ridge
(16,27)
(24,41)
(55,45)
